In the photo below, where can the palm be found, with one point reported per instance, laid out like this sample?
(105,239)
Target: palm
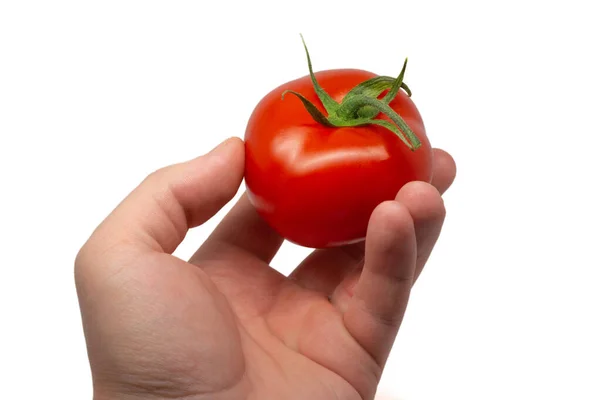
(291,334)
(231,321)
(262,323)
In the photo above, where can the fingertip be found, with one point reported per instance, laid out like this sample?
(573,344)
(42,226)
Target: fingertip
(231,149)
(444,170)
(423,200)
(235,143)
(227,157)
(235,154)
(390,223)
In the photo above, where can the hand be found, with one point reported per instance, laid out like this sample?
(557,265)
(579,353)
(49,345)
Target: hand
(227,326)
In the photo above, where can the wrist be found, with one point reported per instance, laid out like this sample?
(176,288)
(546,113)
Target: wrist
(143,393)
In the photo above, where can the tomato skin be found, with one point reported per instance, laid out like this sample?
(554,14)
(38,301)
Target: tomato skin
(317,186)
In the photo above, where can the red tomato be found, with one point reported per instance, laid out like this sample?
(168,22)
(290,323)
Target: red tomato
(317,185)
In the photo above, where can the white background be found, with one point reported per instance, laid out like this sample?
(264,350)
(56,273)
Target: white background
(95,95)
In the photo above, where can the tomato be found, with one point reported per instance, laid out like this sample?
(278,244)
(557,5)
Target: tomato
(317,183)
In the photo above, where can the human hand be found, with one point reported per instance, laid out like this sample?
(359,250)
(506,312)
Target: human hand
(227,326)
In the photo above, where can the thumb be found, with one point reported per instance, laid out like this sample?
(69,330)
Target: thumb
(158,213)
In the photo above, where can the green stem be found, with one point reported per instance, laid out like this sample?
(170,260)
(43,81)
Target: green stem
(329,103)
(350,107)
(311,108)
(361,105)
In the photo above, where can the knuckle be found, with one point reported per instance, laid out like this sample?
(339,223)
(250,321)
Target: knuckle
(81,264)
(158,175)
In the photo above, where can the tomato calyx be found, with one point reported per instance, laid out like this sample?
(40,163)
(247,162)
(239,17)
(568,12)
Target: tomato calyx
(361,105)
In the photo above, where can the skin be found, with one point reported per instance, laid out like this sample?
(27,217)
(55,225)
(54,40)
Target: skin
(224,325)
(317,186)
